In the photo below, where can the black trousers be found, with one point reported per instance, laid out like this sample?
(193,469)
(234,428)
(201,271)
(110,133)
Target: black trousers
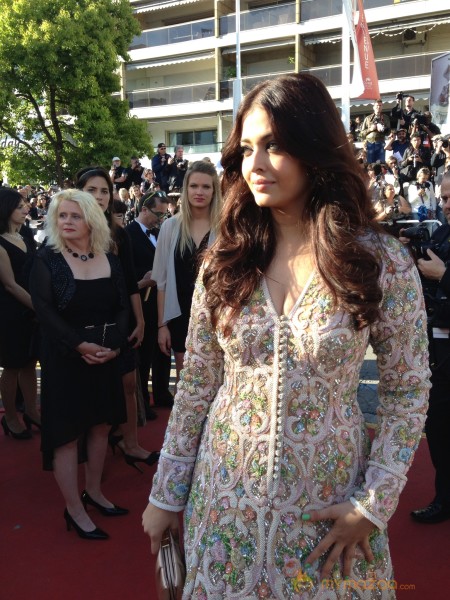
(151,357)
(437,426)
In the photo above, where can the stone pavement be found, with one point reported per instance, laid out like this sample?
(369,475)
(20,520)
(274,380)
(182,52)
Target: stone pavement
(368,387)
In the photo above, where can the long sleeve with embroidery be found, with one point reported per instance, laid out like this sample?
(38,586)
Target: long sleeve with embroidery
(266,426)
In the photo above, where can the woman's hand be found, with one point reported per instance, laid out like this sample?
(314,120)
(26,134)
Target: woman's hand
(137,334)
(164,340)
(155,521)
(93,354)
(146,281)
(348,537)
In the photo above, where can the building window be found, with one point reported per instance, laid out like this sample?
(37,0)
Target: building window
(205,137)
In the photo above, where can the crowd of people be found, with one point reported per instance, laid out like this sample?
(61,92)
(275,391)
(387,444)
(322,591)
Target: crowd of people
(268,299)
(77,293)
(406,150)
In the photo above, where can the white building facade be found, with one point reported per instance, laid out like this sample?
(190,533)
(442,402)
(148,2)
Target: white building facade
(180,77)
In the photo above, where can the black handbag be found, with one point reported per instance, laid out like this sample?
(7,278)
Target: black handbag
(107,335)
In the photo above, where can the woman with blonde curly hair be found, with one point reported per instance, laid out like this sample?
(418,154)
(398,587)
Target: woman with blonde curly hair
(80,298)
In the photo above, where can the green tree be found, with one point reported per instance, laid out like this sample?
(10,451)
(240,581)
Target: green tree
(59,82)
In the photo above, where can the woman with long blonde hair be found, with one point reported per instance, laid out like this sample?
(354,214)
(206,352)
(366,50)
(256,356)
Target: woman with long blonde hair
(181,241)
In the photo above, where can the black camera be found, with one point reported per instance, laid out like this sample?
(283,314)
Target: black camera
(419,237)
(419,120)
(400,96)
(445,143)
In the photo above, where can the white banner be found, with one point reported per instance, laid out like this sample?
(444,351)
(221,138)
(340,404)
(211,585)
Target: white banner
(439,91)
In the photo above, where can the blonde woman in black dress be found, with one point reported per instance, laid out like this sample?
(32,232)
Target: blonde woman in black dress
(77,283)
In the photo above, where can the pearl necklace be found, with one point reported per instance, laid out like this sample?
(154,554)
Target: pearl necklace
(82,257)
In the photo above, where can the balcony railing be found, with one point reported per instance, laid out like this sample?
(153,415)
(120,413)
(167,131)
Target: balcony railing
(317,9)
(391,68)
(258,18)
(174,34)
(182,94)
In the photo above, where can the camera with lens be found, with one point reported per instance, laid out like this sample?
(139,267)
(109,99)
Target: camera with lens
(400,96)
(445,143)
(419,120)
(420,237)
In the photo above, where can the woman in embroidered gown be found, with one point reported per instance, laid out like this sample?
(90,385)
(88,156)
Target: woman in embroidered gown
(266,449)
(17,319)
(76,283)
(181,241)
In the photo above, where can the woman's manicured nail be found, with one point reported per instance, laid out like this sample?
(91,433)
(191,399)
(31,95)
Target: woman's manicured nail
(306,517)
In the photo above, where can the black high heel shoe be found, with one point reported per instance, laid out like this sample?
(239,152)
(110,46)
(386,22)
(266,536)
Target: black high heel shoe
(96,534)
(29,422)
(115,511)
(23,435)
(132,460)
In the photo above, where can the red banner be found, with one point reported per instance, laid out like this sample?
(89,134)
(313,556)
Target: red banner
(368,69)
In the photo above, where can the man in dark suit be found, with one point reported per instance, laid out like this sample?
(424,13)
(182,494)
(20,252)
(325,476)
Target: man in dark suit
(143,232)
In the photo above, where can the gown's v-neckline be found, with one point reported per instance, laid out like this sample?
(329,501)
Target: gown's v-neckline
(271,304)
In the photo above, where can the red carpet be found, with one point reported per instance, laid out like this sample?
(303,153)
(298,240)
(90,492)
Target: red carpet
(42,561)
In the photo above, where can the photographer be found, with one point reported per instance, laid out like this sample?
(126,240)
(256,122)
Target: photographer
(421,194)
(397,146)
(376,181)
(135,173)
(404,116)
(393,174)
(435,274)
(390,208)
(117,173)
(415,157)
(373,132)
(440,155)
(159,167)
(176,169)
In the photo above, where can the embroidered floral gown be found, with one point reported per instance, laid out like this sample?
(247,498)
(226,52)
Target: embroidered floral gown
(266,426)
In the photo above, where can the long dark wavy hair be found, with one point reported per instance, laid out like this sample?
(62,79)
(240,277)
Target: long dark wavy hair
(307,126)
(9,201)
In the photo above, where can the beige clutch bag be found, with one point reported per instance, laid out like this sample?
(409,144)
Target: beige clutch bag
(170,569)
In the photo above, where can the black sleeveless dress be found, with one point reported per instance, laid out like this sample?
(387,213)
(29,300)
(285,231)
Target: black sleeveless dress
(76,396)
(17,322)
(186,271)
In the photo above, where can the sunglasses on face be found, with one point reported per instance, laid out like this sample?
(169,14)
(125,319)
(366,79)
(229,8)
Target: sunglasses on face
(157,214)
(150,197)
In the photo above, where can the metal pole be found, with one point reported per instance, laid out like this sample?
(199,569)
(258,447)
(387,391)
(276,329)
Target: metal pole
(345,84)
(237,83)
